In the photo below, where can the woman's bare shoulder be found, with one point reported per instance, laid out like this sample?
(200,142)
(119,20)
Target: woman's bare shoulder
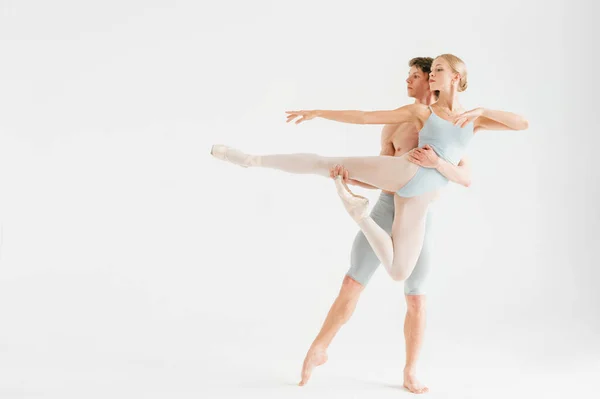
(420,111)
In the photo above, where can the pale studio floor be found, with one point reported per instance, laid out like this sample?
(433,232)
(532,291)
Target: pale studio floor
(221,359)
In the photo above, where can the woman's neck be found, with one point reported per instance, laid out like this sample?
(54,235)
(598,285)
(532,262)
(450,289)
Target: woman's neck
(449,101)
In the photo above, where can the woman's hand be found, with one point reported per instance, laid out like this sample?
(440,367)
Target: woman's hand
(464,119)
(301,115)
(424,156)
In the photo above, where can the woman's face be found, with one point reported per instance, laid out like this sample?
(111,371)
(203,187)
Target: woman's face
(441,75)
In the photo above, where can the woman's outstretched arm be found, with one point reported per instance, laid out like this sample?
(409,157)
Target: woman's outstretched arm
(407,113)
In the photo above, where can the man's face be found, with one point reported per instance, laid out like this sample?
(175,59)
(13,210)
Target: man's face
(417,83)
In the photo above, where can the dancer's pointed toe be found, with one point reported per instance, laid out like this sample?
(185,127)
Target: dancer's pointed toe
(218,151)
(357,206)
(230,154)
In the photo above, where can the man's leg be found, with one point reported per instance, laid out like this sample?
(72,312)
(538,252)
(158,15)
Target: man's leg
(338,315)
(364,262)
(415,321)
(414,332)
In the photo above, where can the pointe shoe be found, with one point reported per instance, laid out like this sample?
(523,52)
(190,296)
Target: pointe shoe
(237,157)
(356,205)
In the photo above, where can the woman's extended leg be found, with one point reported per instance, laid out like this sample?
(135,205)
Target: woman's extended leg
(399,252)
(385,172)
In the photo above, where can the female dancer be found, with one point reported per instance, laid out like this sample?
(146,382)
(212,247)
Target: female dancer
(444,128)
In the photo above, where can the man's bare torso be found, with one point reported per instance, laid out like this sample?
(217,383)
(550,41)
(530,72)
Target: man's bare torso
(397,140)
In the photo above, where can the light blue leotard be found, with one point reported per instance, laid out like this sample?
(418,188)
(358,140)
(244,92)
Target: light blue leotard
(449,142)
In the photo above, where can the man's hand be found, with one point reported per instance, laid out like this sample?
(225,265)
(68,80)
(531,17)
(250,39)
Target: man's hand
(339,170)
(301,115)
(424,156)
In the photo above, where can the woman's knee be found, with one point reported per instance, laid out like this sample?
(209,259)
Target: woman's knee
(401,270)
(399,275)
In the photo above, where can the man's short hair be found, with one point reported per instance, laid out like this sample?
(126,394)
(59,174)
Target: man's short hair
(423,63)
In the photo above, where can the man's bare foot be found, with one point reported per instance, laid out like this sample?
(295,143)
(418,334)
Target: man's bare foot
(412,384)
(315,357)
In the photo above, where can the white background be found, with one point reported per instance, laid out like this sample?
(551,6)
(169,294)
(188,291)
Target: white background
(133,264)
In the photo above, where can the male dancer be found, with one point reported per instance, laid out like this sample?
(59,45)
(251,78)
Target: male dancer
(396,140)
